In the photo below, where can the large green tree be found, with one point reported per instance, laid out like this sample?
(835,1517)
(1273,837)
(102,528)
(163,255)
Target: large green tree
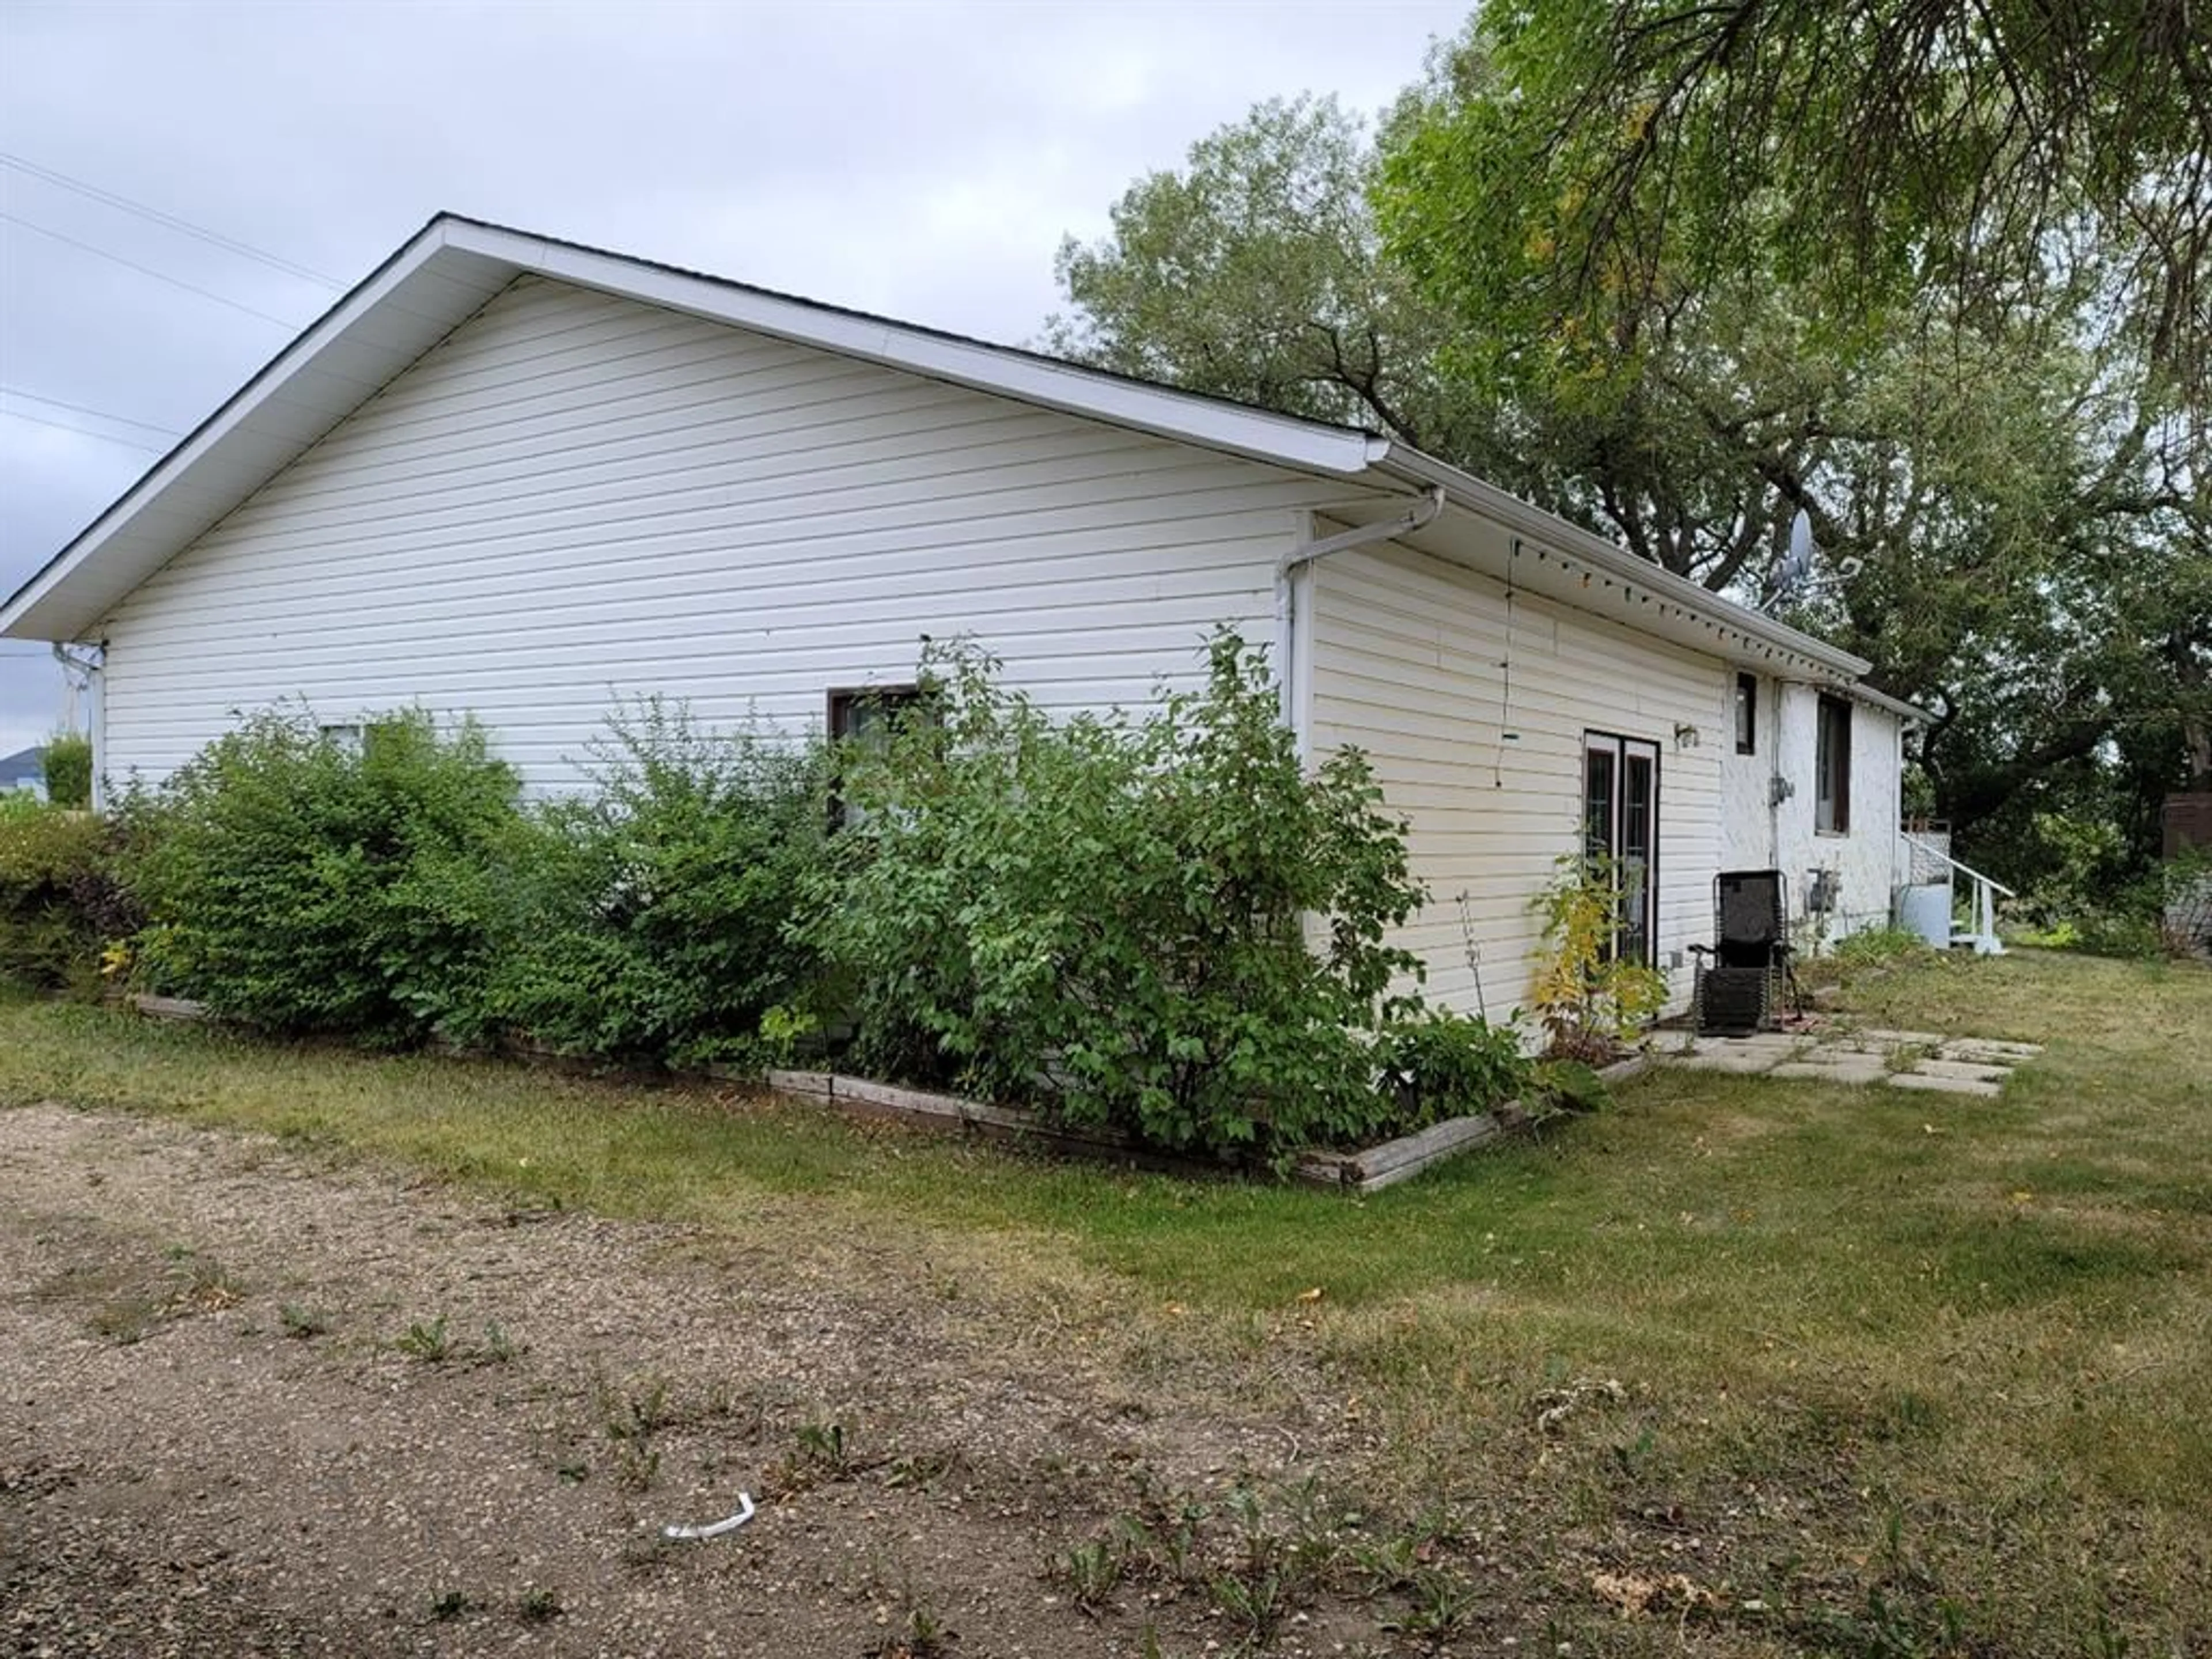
(2008,465)
(1907,154)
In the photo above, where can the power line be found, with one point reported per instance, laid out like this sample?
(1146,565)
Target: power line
(85,431)
(82,409)
(213,238)
(148,270)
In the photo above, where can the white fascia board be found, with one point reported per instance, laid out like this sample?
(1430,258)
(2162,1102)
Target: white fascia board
(1910,714)
(1492,502)
(254,424)
(1281,439)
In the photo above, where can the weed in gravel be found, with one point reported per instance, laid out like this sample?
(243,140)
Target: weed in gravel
(447,1604)
(922,1636)
(635,1409)
(206,1285)
(1254,1602)
(125,1320)
(822,1447)
(632,1411)
(499,1348)
(637,1465)
(538,1604)
(426,1341)
(1442,1600)
(920,1471)
(1090,1571)
(301,1322)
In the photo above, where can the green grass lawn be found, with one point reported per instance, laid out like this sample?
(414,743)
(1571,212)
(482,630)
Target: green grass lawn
(1943,1364)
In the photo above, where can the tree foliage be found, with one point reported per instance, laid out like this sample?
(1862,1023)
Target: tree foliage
(1898,154)
(67,763)
(1682,365)
(47,853)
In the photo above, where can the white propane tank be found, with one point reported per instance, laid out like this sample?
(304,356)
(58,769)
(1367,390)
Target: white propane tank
(1925,910)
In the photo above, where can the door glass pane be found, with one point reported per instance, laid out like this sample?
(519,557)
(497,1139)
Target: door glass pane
(1597,803)
(1636,816)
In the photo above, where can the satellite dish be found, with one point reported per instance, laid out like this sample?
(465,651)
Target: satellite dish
(1796,567)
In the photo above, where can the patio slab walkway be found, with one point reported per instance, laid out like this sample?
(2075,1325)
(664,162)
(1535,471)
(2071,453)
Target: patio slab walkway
(1855,1054)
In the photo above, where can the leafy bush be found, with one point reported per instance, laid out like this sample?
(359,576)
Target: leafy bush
(653,914)
(1868,950)
(68,762)
(1875,947)
(1111,913)
(2167,912)
(46,852)
(299,882)
(1590,1002)
(1441,1065)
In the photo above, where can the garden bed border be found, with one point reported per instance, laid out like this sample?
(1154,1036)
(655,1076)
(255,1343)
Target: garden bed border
(1368,1169)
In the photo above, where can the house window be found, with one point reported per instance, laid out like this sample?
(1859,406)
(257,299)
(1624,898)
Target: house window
(868,716)
(871,714)
(1746,713)
(1832,769)
(354,739)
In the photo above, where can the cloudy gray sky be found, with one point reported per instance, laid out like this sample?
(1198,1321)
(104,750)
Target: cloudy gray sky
(921,159)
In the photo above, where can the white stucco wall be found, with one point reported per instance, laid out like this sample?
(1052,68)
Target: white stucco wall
(1758,834)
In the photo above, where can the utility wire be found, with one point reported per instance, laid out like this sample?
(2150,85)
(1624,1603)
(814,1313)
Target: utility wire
(83,409)
(86,432)
(213,238)
(148,270)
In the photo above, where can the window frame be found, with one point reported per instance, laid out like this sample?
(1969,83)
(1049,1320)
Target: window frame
(1832,720)
(840,702)
(1746,712)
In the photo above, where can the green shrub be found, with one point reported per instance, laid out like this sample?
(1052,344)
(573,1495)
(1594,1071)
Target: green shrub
(1590,1002)
(299,882)
(654,912)
(1441,1065)
(2166,912)
(47,852)
(68,762)
(1874,947)
(1111,915)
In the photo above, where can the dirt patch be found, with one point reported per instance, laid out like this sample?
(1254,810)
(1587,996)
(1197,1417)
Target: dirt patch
(250,1405)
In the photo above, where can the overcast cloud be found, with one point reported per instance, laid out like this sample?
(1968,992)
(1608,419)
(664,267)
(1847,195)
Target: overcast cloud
(919,160)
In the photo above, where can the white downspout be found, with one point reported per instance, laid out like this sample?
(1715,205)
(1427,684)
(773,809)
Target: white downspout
(1293,667)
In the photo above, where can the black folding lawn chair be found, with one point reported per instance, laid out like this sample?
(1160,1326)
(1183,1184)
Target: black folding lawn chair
(1744,982)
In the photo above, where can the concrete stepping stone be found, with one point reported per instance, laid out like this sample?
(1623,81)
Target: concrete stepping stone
(1997,1074)
(1943,1086)
(1900,1039)
(1745,1064)
(1854,1069)
(1986,1051)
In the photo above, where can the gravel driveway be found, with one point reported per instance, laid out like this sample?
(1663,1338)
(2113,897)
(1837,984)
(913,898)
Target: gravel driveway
(253,1404)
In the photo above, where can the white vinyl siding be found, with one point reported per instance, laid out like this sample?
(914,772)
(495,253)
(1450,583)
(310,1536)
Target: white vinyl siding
(1409,655)
(577,496)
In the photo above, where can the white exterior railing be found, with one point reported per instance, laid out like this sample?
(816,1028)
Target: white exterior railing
(1983,935)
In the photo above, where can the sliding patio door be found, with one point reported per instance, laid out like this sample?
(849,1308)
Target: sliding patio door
(1620,824)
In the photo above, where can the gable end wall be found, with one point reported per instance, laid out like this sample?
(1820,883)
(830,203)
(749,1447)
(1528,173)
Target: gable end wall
(577,497)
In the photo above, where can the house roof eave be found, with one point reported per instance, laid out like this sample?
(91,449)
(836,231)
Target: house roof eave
(1810,655)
